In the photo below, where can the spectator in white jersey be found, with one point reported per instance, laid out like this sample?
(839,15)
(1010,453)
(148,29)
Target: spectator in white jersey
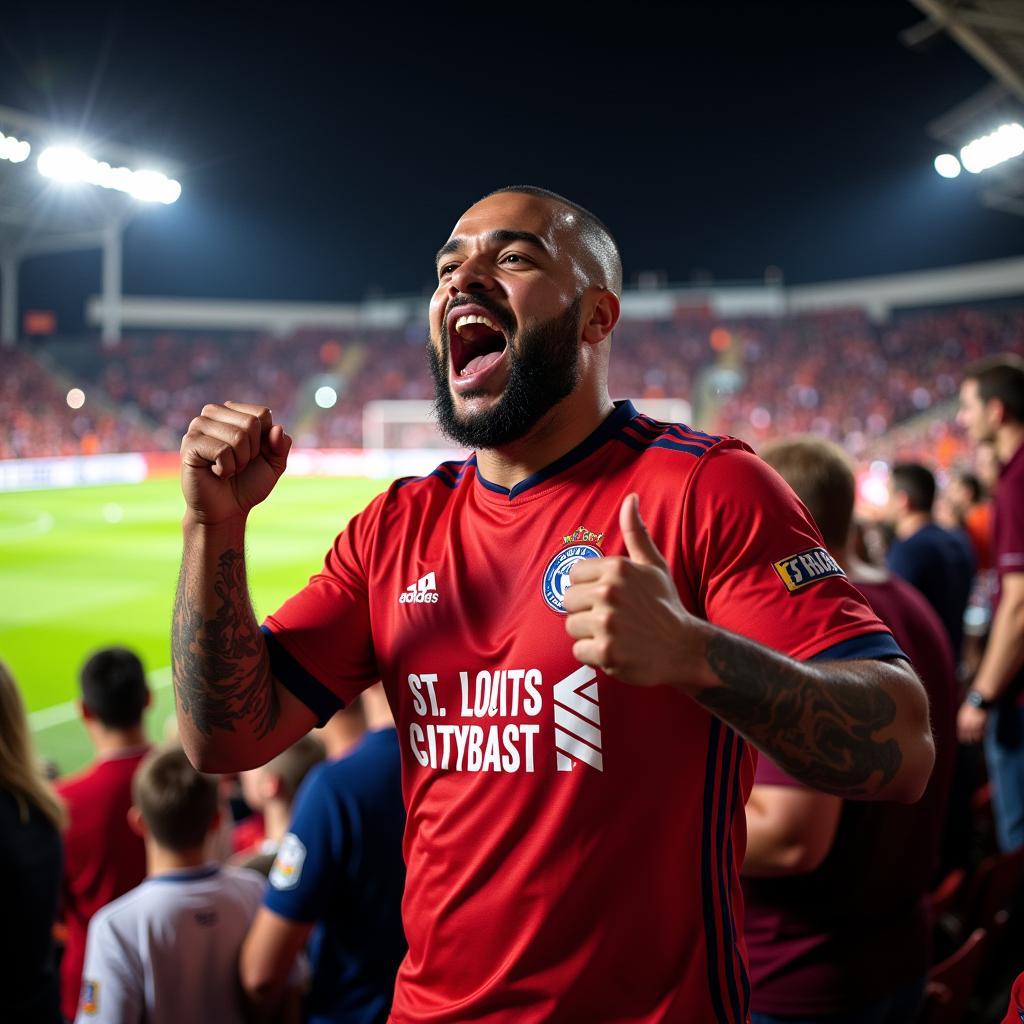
(167,950)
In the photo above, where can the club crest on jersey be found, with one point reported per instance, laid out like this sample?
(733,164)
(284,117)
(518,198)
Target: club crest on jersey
(287,869)
(581,535)
(90,997)
(807,567)
(556,575)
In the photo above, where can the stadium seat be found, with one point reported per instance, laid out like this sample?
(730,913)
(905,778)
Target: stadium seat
(997,885)
(945,897)
(951,982)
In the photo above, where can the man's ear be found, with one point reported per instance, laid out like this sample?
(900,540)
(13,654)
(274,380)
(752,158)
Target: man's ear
(135,822)
(273,786)
(85,711)
(149,698)
(603,317)
(996,410)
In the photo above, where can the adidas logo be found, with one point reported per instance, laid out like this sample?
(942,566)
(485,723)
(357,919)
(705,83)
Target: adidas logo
(423,591)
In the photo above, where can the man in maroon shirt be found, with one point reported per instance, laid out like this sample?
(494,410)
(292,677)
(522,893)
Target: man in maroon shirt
(992,410)
(103,857)
(835,890)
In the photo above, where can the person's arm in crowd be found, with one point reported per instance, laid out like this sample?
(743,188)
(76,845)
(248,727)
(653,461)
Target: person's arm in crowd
(112,982)
(233,714)
(790,830)
(1002,660)
(857,728)
(266,964)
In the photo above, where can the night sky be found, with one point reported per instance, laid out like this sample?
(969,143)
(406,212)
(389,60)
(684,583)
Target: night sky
(328,151)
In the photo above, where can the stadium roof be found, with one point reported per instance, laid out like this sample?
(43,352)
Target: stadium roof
(992,32)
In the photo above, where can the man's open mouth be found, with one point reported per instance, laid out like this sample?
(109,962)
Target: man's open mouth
(475,340)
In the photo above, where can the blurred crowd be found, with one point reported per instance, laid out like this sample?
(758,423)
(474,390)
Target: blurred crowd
(39,422)
(839,376)
(869,387)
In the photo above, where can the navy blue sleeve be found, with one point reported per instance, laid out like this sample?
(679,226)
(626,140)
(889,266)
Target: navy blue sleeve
(317,697)
(309,860)
(871,645)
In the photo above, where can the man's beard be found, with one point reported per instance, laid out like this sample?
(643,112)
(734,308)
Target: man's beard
(544,369)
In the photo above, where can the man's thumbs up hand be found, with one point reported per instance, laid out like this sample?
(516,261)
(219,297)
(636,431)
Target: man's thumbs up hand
(625,615)
(639,546)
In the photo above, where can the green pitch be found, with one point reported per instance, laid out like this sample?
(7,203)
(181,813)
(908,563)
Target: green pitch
(88,567)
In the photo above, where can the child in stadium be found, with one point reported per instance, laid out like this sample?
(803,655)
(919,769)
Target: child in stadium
(103,858)
(167,950)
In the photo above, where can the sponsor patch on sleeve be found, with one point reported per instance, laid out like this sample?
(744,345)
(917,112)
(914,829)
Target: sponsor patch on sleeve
(287,867)
(807,567)
(90,997)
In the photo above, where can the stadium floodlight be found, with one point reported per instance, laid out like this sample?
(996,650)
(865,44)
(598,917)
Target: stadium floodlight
(947,165)
(13,149)
(75,398)
(1005,143)
(325,397)
(68,164)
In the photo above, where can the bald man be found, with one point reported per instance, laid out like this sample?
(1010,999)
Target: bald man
(577,690)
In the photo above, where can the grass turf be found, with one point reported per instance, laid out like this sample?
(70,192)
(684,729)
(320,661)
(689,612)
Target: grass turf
(87,567)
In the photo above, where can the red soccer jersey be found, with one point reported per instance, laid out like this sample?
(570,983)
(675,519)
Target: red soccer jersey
(103,857)
(573,842)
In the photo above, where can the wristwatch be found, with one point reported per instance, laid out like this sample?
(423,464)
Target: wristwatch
(976,700)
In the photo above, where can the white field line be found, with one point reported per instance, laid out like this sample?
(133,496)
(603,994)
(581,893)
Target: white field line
(59,714)
(11,533)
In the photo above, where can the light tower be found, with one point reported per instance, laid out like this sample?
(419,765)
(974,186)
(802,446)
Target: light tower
(60,192)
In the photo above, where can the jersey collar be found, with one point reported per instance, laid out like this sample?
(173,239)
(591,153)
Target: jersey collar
(187,874)
(622,414)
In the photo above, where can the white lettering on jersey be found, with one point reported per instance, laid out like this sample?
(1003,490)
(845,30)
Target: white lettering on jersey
(500,693)
(494,746)
(474,748)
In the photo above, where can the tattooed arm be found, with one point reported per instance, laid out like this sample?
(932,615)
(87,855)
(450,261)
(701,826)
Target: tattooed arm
(232,713)
(852,728)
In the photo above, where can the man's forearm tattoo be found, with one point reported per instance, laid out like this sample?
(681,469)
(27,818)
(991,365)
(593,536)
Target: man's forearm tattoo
(821,733)
(220,666)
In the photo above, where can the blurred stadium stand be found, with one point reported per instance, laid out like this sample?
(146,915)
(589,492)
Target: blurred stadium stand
(877,370)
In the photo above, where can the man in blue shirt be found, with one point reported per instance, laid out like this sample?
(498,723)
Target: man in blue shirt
(939,563)
(338,881)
